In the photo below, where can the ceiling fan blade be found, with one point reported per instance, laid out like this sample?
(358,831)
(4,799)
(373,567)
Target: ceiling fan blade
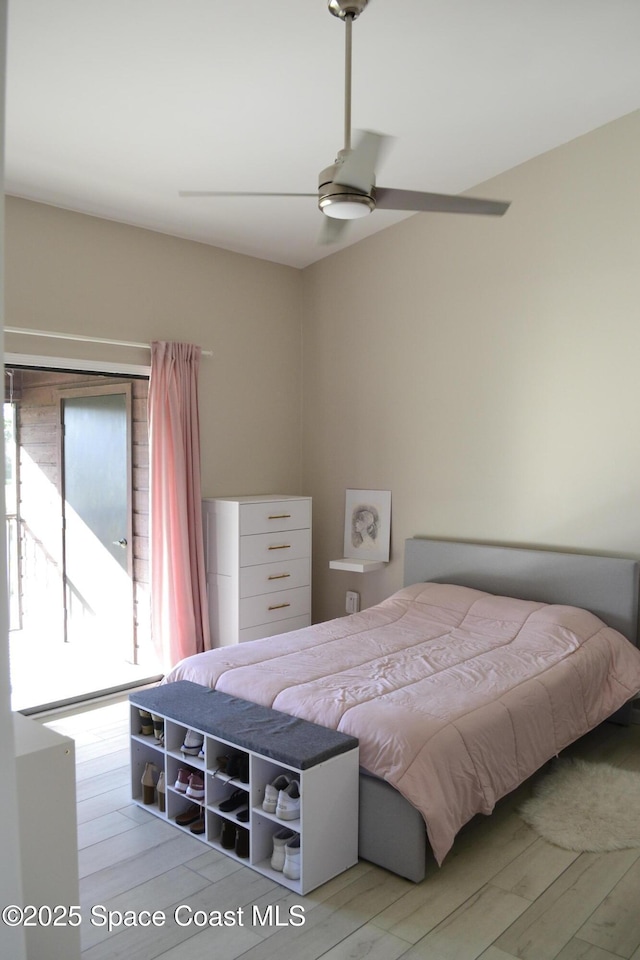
(389,199)
(332,230)
(239,193)
(359,168)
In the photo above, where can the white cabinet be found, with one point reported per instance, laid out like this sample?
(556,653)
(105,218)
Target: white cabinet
(272,744)
(258,560)
(46,783)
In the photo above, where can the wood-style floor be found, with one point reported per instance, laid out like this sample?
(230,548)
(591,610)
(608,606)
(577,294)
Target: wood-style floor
(502,893)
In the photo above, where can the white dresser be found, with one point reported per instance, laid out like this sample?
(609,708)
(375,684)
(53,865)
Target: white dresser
(258,557)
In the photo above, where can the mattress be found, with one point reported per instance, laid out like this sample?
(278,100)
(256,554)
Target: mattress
(456,695)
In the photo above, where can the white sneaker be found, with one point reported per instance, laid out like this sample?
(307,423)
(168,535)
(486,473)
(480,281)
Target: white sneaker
(279,840)
(292,859)
(272,791)
(288,805)
(192,743)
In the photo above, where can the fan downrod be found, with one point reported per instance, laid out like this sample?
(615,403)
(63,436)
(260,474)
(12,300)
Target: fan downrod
(347,8)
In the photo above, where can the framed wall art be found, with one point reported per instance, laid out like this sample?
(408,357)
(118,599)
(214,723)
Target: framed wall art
(367,524)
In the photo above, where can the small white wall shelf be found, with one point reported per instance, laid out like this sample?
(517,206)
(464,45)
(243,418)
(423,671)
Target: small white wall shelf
(356,566)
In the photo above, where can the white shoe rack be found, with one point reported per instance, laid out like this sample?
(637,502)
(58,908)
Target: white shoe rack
(328,822)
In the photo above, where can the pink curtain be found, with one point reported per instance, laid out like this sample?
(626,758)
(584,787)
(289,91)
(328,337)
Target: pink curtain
(179,616)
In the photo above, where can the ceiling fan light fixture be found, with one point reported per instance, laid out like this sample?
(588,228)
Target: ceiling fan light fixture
(342,202)
(346,206)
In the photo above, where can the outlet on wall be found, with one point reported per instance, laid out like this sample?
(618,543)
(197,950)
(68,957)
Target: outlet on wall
(353,601)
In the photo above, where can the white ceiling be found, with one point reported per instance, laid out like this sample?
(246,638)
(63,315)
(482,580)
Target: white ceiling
(113,106)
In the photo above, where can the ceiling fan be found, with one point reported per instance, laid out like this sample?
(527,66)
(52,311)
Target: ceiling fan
(347,189)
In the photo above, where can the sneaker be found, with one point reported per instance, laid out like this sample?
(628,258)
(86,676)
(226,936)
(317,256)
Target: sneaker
(182,781)
(271,792)
(192,743)
(291,868)
(288,805)
(195,790)
(279,840)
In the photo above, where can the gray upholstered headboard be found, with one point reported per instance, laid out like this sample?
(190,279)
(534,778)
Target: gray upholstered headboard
(607,586)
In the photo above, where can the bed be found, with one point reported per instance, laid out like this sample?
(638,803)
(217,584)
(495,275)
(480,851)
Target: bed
(485,665)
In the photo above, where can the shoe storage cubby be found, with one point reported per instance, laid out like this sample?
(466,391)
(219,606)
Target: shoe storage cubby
(230,817)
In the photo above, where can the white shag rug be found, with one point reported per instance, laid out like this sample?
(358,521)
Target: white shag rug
(586,806)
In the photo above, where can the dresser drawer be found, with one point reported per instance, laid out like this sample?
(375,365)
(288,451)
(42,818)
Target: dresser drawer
(275,606)
(273,629)
(271,577)
(274,515)
(274,547)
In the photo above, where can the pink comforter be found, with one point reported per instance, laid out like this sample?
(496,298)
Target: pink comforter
(456,696)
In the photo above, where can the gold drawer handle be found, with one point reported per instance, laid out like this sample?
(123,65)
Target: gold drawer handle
(278,576)
(279,606)
(280,516)
(283,546)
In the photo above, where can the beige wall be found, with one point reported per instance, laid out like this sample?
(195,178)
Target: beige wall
(485,371)
(72,273)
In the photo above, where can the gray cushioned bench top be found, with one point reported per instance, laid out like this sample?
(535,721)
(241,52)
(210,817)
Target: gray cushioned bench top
(274,734)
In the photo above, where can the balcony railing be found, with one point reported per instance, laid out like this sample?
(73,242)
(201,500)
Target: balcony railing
(13,571)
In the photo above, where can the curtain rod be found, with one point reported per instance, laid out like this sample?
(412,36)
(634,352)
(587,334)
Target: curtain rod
(84,339)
